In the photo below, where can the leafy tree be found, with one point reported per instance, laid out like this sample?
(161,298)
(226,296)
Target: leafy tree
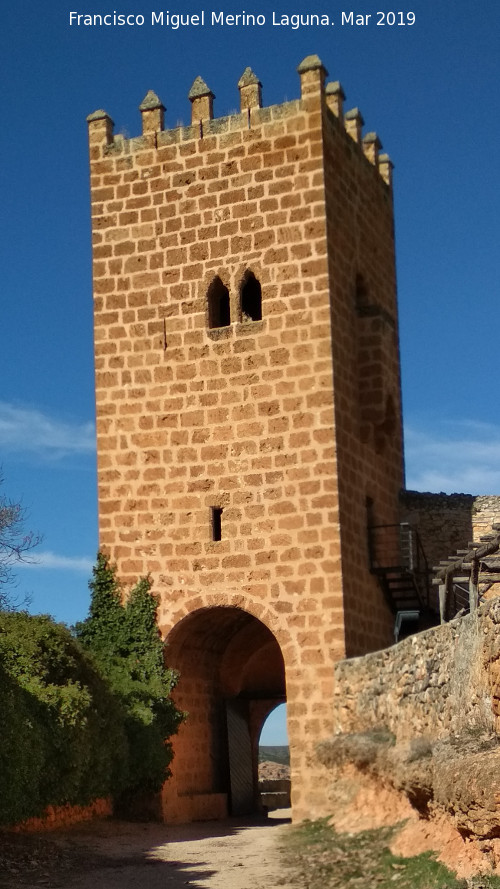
(15,543)
(125,643)
(103,630)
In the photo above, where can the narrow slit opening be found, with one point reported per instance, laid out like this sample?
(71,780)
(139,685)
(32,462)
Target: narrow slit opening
(216,522)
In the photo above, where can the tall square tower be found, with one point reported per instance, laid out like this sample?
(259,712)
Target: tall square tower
(248,410)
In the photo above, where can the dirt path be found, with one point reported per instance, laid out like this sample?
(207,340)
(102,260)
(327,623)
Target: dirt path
(229,855)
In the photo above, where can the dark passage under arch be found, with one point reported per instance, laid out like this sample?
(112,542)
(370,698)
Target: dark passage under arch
(232,675)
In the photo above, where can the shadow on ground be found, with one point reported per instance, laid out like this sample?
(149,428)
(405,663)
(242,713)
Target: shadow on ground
(123,855)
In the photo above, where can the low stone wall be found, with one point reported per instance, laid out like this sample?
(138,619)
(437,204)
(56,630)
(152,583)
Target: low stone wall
(56,817)
(434,683)
(275,793)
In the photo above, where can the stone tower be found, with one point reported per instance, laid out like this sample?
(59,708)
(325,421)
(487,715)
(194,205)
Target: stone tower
(248,411)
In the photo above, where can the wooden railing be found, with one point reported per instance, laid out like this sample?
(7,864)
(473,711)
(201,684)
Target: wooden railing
(459,577)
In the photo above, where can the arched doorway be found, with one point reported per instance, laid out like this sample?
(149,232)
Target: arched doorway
(274,761)
(231,676)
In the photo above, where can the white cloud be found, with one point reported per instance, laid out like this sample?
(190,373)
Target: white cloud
(28,430)
(461,457)
(58,563)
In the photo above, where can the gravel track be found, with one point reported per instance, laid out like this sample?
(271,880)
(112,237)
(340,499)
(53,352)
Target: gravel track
(234,854)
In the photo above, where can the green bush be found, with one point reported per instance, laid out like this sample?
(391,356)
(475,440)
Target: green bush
(84,717)
(62,735)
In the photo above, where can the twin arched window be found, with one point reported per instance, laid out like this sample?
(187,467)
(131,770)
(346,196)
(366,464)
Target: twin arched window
(249,306)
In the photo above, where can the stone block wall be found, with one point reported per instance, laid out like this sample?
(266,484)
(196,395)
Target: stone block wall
(365,362)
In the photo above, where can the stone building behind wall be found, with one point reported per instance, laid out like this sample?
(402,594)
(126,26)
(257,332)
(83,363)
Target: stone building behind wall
(448,522)
(248,411)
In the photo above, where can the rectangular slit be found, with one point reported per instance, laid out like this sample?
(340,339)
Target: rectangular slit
(216,522)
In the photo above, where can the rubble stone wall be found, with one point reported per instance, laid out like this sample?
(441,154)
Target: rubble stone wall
(438,683)
(485,513)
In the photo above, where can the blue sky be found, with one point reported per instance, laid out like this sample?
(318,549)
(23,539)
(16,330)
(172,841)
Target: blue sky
(429,90)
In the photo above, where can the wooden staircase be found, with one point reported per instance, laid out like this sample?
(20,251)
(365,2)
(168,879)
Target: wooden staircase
(400,588)
(458,586)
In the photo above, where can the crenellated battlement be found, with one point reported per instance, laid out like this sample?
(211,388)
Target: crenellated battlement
(252,114)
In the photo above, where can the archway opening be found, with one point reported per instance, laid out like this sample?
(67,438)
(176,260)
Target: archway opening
(274,730)
(274,761)
(231,676)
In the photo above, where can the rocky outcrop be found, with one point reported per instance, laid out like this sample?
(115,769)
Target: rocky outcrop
(460,776)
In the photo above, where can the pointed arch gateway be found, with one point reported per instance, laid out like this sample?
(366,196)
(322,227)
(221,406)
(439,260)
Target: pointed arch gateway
(232,675)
